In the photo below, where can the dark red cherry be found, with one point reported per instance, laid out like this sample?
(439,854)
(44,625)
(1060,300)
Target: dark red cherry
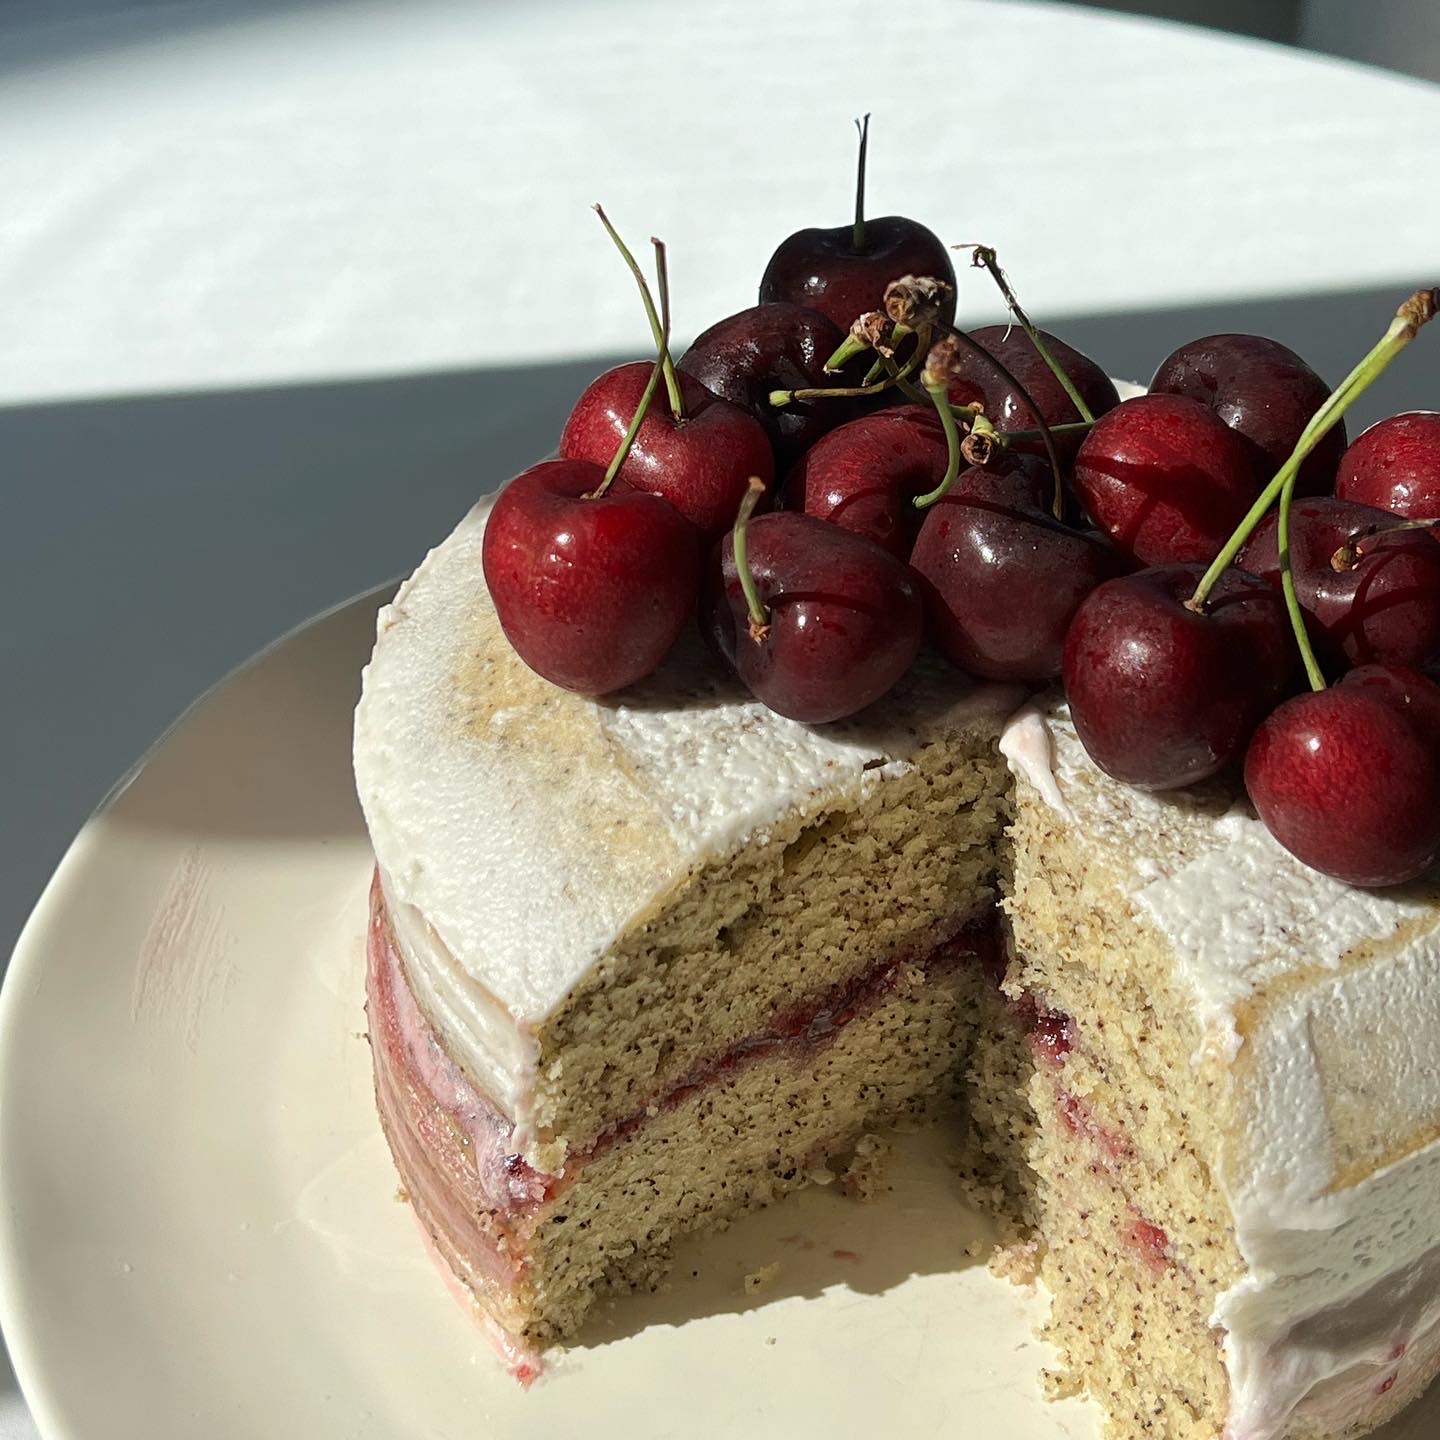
(1347,780)
(592,593)
(1004,408)
(1395,465)
(865,475)
(773,347)
(824,270)
(1165,478)
(1162,696)
(844,617)
(1003,577)
(701,464)
(1264,392)
(1382,603)
(1415,695)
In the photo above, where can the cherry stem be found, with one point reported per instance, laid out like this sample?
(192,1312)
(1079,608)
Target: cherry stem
(1349,553)
(759,615)
(1006,438)
(939,394)
(1287,585)
(657,330)
(1414,313)
(1003,371)
(984,258)
(897,377)
(631,431)
(857,234)
(885,359)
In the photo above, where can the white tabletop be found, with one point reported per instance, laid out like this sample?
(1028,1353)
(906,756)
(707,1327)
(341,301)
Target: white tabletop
(368,188)
(195,202)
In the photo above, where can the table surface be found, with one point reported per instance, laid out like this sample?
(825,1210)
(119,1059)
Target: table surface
(285,289)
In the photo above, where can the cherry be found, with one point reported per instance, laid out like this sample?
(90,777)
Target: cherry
(834,621)
(1165,478)
(1264,392)
(1414,694)
(1395,465)
(1004,577)
(865,475)
(1162,695)
(1347,779)
(1377,601)
(977,381)
(843,271)
(772,347)
(591,590)
(700,462)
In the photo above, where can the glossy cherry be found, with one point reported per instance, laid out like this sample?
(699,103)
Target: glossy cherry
(1264,392)
(1003,577)
(1395,465)
(1165,478)
(1163,696)
(977,381)
(822,269)
(1381,603)
(865,475)
(843,271)
(1348,779)
(1417,696)
(844,621)
(773,347)
(591,592)
(701,463)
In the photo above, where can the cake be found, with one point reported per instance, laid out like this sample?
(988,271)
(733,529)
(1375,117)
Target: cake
(640,964)
(1237,1098)
(879,720)
(637,966)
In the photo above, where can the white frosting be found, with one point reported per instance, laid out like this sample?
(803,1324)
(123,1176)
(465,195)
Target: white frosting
(521,830)
(1323,1002)
(498,1052)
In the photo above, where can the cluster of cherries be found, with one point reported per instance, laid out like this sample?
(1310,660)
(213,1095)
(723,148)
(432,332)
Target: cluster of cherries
(1183,560)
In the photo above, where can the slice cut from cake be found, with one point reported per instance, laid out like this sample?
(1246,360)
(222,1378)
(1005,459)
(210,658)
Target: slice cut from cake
(1236,1092)
(639,965)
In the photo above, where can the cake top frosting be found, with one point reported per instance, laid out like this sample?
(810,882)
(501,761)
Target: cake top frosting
(530,826)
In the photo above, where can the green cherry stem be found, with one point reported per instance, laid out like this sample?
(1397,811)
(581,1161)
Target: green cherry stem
(984,258)
(1287,585)
(884,362)
(897,376)
(939,392)
(631,431)
(1415,312)
(857,234)
(1348,555)
(759,615)
(1006,438)
(657,330)
(1047,438)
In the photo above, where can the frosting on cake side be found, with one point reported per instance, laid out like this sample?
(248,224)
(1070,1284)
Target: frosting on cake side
(1321,1001)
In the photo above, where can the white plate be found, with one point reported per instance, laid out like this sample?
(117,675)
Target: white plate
(200,1234)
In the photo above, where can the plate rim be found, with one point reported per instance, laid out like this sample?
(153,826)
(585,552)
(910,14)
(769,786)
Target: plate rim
(15,1301)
